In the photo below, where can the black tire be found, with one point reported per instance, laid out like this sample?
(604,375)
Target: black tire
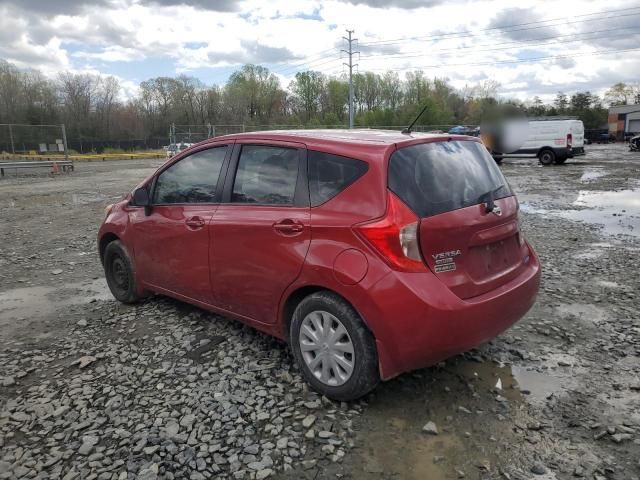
(498,160)
(365,374)
(120,273)
(547,156)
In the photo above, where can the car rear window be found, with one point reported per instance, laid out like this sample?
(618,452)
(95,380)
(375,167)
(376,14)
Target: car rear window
(438,177)
(330,174)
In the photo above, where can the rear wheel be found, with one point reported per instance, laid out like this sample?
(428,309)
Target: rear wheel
(334,349)
(120,273)
(547,157)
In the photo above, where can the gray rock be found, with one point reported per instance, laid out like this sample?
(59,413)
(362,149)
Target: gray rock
(430,428)
(8,381)
(621,437)
(252,449)
(172,429)
(538,469)
(85,449)
(21,417)
(264,473)
(308,421)
(187,420)
(149,473)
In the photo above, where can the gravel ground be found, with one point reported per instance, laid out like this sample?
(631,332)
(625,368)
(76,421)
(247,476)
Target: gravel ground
(91,389)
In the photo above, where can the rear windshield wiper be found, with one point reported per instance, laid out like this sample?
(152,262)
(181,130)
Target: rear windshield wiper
(490,198)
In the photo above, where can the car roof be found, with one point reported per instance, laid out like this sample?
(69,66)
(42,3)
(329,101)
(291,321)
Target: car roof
(364,144)
(356,136)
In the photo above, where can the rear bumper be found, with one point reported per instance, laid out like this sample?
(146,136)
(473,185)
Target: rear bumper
(420,322)
(577,152)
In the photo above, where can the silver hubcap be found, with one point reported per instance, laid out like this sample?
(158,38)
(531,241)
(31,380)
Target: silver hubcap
(326,348)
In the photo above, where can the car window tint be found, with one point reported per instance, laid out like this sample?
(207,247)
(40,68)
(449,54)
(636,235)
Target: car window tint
(330,174)
(192,180)
(438,177)
(266,175)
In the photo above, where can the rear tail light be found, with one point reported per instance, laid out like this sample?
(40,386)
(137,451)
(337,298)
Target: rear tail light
(395,236)
(569,140)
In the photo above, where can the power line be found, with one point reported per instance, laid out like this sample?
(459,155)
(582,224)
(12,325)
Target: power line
(511,44)
(505,62)
(502,29)
(311,59)
(307,66)
(367,58)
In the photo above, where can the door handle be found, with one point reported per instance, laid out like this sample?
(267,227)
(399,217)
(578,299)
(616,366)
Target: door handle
(195,222)
(288,227)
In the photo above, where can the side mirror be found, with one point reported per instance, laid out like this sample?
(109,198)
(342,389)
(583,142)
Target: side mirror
(141,199)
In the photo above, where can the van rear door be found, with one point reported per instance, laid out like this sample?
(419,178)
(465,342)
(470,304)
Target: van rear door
(469,234)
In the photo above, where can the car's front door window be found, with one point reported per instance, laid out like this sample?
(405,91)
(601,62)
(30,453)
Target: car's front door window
(191,180)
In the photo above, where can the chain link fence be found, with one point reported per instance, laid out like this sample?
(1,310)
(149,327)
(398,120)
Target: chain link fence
(16,139)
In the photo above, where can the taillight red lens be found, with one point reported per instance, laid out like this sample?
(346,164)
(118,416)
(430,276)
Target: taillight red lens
(569,139)
(395,236)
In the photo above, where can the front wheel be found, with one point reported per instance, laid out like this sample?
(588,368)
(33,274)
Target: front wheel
(120,273)
(334,349)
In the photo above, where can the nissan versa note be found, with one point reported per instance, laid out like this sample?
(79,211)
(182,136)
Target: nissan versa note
(371,252)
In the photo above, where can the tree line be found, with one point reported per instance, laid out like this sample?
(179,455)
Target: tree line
(92,109)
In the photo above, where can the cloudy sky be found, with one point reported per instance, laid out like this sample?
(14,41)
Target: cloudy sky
(466,41)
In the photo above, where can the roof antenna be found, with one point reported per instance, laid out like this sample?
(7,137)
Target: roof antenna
(407,130)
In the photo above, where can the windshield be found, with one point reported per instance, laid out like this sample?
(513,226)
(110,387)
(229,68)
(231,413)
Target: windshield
(438,177)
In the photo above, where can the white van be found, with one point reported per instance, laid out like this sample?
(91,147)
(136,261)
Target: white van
(552,141)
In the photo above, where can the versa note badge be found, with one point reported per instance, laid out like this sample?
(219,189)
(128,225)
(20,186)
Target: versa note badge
(445,261)
(497,211)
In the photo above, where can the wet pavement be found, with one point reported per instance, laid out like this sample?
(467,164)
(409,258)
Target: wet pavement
(555,397)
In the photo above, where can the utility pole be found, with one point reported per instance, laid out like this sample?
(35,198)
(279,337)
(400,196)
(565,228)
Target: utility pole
(350,52)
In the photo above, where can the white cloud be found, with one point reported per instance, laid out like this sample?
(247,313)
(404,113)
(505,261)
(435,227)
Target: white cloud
(290,36)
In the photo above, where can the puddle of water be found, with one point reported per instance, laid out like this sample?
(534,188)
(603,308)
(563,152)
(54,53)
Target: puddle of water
(538,386)
(396,447)
(517,383)
(611,285)
(28,302)
(592,174)
(617,212)
(583,311)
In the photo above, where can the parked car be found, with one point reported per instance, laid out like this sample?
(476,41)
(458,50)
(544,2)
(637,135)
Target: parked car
(176,147)
(551,141)
(372,253)
(462,130)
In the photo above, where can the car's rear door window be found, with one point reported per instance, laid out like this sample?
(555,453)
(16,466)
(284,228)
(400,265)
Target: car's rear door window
(192,179)
(438,177)
(266,175)
(330,174)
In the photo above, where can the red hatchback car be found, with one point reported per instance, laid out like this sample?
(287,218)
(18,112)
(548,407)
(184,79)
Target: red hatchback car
(371,252)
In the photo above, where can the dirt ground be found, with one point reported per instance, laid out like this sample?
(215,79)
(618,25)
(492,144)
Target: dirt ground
(164,390)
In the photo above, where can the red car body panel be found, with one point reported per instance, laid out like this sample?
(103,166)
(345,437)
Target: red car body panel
(252,262)
(239,265)
(172,249)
